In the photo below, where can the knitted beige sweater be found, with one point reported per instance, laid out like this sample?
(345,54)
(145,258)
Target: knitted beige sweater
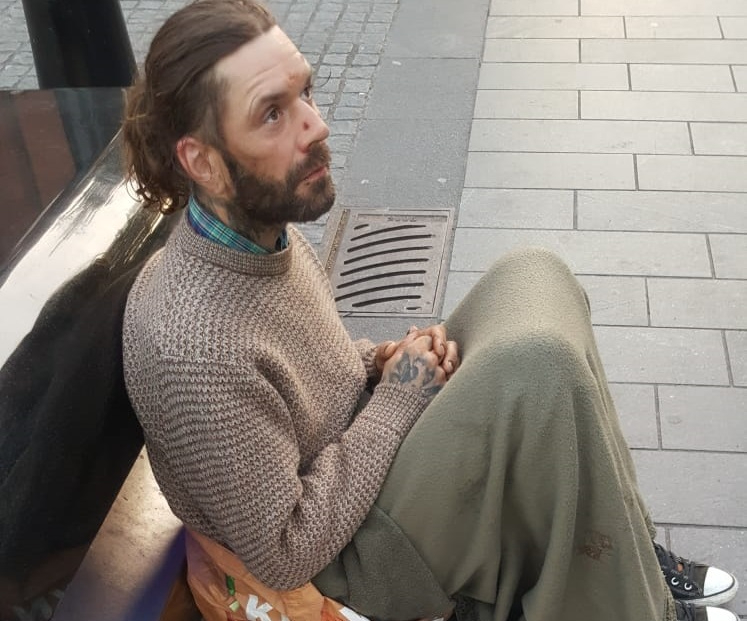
(246,383)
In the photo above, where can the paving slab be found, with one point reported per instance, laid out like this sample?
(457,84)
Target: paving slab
(729,107)
(698,303)
(526,104)
(579,136)
(534,7)
(550,170)
(663,355)
(703,418)
(636,407)
(616,300)
(734,27)
(458,284)
(698,173)
(589,252)
(531,51)
(663,7)
(662,211)
(716,494)
(682,51)
(719,138)
(740,78)
(554,76)
(516,209)
(554,27)
(729,255)
(682,78)
(736,344)
(660,27)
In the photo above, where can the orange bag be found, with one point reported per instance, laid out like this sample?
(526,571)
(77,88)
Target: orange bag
(225,591)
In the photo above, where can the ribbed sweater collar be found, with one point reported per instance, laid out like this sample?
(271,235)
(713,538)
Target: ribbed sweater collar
(185,239)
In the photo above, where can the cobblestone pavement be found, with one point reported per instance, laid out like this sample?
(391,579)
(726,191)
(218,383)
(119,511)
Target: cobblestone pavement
(343,41)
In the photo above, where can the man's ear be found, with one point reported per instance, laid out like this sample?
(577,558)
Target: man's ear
(204,165)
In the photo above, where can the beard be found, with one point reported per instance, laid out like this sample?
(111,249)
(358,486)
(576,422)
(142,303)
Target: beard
(260,202)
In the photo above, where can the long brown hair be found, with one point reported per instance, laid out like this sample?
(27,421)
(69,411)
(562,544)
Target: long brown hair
(178,93)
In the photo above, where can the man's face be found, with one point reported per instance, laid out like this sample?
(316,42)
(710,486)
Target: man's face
(275,149)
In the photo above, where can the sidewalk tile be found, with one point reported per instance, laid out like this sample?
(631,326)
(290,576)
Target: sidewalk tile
(616,300)
(663,355)
(660,27)
(696,303)
(663,7)
(534,7)
(692,172)
(457,287)
(683,51)
(579,136)
(664,106)
(729,255)
(550,170)
(552,76)
(407,164)
(454,30)
(531,51)
(697,212)
(494,104)
(716,493)
(722,547)
(734,27)
(516,209)
(636,409)
(589,252)
(740,77)
(424,88)
(703,418)
(736,342)
(702,78)
(719,138)
(554,27)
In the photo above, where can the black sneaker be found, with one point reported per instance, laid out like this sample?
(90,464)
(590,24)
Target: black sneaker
(688,612)
(695,583)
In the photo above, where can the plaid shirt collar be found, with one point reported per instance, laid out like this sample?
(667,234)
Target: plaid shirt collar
(207,225)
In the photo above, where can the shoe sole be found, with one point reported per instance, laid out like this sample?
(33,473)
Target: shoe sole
(717,599)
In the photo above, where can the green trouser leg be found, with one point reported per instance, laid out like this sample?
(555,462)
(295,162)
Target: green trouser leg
(516,484)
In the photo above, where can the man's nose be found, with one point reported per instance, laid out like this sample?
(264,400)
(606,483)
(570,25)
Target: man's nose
(314,127)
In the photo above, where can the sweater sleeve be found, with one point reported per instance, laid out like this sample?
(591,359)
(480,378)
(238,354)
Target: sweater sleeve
(232,446)
(367,351)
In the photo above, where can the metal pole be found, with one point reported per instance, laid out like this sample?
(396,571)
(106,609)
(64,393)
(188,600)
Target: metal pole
(79,43)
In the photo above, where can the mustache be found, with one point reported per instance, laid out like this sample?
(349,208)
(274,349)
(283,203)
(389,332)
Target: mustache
(318,156)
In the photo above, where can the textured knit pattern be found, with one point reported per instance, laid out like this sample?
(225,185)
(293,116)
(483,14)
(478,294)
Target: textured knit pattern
(246,384)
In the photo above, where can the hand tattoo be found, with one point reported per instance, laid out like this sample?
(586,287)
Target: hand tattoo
(407,371)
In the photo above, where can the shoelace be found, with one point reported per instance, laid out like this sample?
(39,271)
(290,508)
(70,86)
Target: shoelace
(673,564)
(685,612)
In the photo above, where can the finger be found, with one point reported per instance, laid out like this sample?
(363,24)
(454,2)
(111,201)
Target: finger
(451,358)
(438,332)
(389,347)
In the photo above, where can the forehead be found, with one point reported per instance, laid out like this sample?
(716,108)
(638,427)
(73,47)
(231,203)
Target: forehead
(269,62)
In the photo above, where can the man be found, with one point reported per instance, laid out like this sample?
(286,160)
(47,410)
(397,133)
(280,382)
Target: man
(398,478)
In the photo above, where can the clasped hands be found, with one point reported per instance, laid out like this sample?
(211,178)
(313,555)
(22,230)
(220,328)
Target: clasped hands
(424,360)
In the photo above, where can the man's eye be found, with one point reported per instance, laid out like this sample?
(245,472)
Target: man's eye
(272,116)
(307,93)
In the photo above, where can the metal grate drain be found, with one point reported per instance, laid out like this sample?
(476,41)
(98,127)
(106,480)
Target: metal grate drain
(388,261)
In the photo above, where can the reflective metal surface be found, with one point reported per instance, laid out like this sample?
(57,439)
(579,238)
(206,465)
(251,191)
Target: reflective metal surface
(68,436)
